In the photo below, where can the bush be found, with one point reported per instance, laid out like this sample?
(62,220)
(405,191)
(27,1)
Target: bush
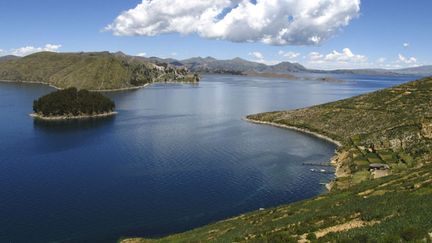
(311,236)
(412,233)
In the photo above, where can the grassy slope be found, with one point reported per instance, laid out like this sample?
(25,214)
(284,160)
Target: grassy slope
(397,121)
(391,126)
(95,71)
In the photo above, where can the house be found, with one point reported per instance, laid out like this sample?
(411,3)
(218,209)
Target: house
(378,167)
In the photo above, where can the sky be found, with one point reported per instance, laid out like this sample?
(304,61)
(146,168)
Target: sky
(323,34)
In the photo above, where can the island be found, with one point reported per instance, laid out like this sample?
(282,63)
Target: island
(72,103)
(383,186)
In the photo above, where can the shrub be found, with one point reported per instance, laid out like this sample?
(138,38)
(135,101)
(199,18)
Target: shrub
(412,233)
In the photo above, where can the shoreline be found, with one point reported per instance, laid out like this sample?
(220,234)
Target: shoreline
(98,90)
(91,90)
(67,118)
(335,158)
(337,143)
(30,82)
(120,89)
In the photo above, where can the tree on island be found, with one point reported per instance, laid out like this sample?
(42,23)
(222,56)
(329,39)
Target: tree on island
(72,102)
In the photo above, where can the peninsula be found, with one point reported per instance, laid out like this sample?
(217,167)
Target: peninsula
(96,71)
(72,104)
(383,188)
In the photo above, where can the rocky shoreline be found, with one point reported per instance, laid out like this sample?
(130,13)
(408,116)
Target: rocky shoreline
(79,117)
(99,90)
(336,159)
(58,88)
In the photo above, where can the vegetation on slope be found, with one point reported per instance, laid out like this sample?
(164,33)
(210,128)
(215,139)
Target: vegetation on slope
(92,71)
(388,209)
(391,126)
(71,103)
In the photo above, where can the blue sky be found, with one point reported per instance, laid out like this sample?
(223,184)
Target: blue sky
(374,38)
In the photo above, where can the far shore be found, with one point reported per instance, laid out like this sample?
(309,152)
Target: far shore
(98,90)
(334,159)
(93,90)
(65,118)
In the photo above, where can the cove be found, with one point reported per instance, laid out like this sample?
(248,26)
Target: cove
(175,157)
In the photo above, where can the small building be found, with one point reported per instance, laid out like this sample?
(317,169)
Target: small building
(379,167)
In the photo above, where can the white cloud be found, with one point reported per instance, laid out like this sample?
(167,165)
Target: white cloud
(336,59)
(316,56)
(381,60)
(27,50)
(173,54)
(407,60)
(345,56)
(142,54)
(276,22)
(289,55)
(257,55)
(406,45)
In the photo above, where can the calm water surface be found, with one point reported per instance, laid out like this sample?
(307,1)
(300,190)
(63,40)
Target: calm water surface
(174,158)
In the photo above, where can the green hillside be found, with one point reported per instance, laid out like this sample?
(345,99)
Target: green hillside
(391,126)
(92,71)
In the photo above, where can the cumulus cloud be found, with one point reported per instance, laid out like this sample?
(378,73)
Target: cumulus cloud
(289,54)
(335,59)
(406,45)
(257,55)
(345,56)
(276,22)
(27,50)
(142,54)
(407,60)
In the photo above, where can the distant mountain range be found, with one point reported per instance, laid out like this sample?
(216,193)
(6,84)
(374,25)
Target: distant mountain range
(422,70)
(232,66)
(241,66)
(104,70)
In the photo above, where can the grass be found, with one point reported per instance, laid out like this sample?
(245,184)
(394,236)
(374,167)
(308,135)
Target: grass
(92,71)
(382,210)
(390,126)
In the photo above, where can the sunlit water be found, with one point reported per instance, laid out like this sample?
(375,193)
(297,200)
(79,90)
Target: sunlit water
(174,158)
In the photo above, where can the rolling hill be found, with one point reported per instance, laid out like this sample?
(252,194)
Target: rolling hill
(421,70)
(236,66)
(93,71)
(8,58)
(239,66)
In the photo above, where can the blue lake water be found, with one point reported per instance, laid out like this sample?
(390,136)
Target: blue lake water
(174,158)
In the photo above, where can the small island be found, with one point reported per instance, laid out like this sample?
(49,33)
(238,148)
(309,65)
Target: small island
(72,103)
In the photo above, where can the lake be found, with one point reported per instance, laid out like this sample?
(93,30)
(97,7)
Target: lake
(176,157)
